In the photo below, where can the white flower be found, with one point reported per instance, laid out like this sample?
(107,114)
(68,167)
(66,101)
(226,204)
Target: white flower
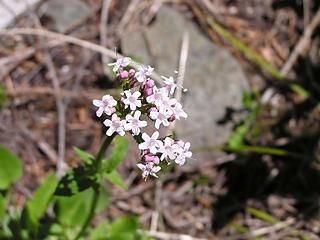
(149,169)
(158,95)
(161,117)
(170,84)
(143,73)
(183,153)
(167,104)
(178,111)
(132,99)
(105,105)
(120,63)
(168,149)
(152,143)
(134,124)
(115,125)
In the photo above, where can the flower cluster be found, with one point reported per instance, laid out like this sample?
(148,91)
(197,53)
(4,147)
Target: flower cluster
(141,97)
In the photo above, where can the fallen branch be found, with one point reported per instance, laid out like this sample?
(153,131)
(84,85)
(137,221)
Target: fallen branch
(69,39)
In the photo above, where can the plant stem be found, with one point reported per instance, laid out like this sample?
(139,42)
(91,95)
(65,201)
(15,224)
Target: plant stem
(97,165)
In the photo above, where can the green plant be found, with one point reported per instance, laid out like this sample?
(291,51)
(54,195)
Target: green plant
(64,209)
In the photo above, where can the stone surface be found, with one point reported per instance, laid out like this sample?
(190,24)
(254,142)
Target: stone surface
(64,14)
(213,77)
(9,9)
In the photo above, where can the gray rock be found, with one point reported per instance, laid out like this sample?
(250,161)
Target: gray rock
(213,77)
(9,9)
(64,14)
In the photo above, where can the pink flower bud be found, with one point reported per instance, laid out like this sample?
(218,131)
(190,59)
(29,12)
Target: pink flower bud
(124,74)
(149,83)
(132,72)
(171,118)
(152,158)
(147,92)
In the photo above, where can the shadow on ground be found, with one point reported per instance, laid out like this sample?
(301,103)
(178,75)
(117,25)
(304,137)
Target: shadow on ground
(256,177)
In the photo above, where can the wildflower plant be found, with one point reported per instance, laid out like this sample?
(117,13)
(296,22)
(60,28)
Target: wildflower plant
(141,98)
(63,208)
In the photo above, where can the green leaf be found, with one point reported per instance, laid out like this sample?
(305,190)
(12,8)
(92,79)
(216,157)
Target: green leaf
(261,150)
(124,225)
(77,180)
(299,90)
(3,204)
(237,137)
(122,236)
(37,206)
(72,211)
(119,152)
(262,215)
(2,95)
(86,157)
(100,232)
(115,178)
(10,168)
(103,200)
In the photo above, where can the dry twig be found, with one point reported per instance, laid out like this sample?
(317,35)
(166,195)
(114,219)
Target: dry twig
(302,45)
(69,39)
(103,31)
(171,236)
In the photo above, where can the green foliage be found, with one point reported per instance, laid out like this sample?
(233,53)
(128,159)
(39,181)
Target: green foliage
(115,178)
(3,204)
(2,96)
(77,180)
(259,150)
(37,206)
(299,90)
(262,215)
(119,153)
(83,155)
(202,180)
(76,198)
(72,211)
(125,228)
(124,225)
(10,168)
(237,137)
(100,232)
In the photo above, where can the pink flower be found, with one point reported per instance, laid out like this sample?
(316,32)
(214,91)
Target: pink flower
(143,73)
(161,117)
(115,125)
(151,143)
(170,84)
(120,64)
(149,169)
(183,153)
(134,124)
(132,99)
(106,105)
(124,74)
(151,158)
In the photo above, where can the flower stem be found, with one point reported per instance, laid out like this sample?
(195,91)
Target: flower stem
(97,165)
